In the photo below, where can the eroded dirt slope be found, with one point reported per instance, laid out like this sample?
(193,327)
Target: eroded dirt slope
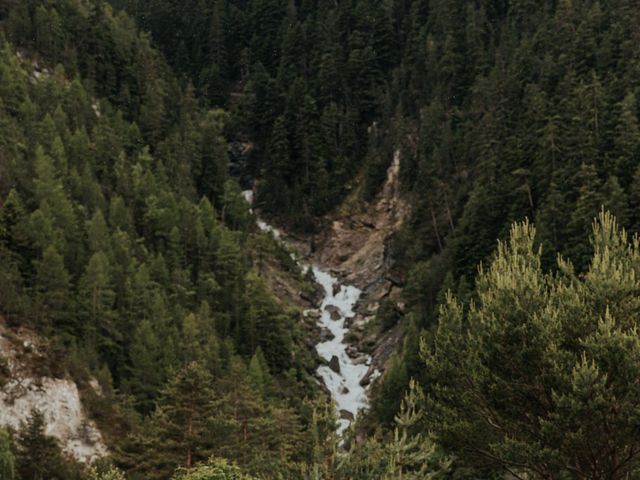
(355,248)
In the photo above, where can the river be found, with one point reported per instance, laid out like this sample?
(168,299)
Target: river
(341,374)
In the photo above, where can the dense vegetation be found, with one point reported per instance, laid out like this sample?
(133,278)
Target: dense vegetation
(303,80)
(125,241)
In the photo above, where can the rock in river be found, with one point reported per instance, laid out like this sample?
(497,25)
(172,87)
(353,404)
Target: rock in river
(334,311)
(326,335)
(347,415)
(334,364)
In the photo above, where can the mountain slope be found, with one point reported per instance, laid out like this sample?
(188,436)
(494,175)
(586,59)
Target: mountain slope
(125,243)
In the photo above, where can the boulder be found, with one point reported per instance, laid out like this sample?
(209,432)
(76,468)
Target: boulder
(307,296)
(334,364)
(326,335)
(351,351)
(347,415)
(334,311)
(312,313)
(361,360)
(371,374)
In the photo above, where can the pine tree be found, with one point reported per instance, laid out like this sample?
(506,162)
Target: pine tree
(412,456)
(52,293)
(212,469)
(98,234)
(97,302)
(7,456)
(212,173)
(264,325)
(38,455)
(526,380)
(275,193)
(109,473)
(148,366)
(586,208)
(627,139)
(181,421)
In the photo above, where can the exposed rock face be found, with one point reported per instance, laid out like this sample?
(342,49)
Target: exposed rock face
(356,244)
(57,399)
(355,248)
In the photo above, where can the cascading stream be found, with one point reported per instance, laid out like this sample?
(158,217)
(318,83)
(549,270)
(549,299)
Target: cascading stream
(342,374)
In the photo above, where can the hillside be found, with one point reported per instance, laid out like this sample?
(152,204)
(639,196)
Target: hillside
(471,166)
(130,257)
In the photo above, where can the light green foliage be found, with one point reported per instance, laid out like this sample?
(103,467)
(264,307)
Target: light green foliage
(408,454)
(7,456)
(533,375)
(110,473)
(125,242)
(412,455)
(213,469)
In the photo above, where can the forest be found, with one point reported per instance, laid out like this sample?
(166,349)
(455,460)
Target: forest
(128,132)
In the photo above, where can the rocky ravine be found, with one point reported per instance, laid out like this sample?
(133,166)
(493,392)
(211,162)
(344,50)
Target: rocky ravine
(24,389)
(353,253)
(354,248)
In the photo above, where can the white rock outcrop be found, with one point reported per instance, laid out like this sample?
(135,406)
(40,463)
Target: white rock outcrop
(57,399)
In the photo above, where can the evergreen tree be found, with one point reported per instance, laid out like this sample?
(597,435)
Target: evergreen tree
(7,456)
(110,473)
(213,469)
(410,455)
(180,423)
(38,455)
(535,342)
(52,287)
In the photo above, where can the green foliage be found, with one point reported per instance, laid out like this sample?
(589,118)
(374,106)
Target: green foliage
(408,454)
(529,378)
(388,314)
(213,469)
(38,456)
(124,241)
(7,456)
(411,456)
(110,473)
(122,235)
(180,421)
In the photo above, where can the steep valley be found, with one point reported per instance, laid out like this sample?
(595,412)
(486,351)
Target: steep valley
(351,264)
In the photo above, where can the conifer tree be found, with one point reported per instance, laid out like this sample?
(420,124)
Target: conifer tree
(52,292)
(38,455)
(109,473)
(181,422)
(411,456)
(7,456)
(526,380)
(212,469)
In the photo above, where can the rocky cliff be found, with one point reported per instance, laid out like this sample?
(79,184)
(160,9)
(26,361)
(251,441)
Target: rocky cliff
(27,384)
